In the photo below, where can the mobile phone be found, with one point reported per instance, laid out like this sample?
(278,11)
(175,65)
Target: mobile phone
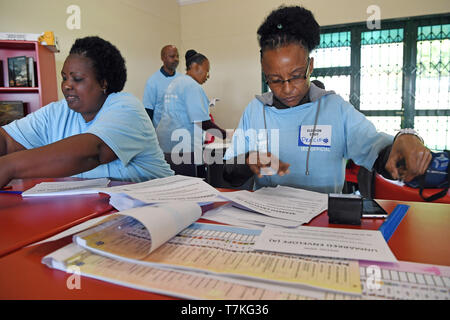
(371,209)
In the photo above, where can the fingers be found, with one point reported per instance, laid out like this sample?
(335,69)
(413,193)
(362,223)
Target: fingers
(391,166)
(255,169)
(283,168)
(266,164)
(417,165)
(415,155)
(425,161)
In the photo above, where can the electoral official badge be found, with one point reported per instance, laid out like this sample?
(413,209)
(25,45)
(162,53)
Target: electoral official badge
(320,138)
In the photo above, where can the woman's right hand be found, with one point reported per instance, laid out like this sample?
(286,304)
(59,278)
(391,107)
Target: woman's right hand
(261,163)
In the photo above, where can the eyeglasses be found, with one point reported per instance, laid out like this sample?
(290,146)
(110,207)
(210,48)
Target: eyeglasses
(295,80)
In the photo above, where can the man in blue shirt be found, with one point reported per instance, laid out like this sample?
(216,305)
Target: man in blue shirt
(157,84)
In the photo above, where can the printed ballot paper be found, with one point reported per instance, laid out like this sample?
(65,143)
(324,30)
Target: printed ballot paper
(352,244)
(169,189)
(244,218)
(136,232)
(281,202)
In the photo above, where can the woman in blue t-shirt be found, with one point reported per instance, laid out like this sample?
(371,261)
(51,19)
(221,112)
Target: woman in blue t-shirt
(300,135)
(95,131)
(186,110)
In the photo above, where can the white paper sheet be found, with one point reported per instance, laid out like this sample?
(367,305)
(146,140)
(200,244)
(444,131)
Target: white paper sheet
(161,222)
(174,188)
(282,202)
(353,244)
(239,217)
(60,188)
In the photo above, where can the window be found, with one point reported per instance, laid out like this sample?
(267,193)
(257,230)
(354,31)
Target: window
(398,76)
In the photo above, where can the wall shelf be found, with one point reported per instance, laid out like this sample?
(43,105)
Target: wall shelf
(46,90)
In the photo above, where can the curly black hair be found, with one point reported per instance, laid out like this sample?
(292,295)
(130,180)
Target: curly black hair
(107,61)
(287,25)
(193,56)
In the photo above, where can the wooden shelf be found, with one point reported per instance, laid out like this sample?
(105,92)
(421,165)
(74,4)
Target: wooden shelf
(18,89)
(33,97)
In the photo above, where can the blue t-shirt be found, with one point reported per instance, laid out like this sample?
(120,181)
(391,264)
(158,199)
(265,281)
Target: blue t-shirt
(121,123)
(342,133)
(185,102)
(155,89)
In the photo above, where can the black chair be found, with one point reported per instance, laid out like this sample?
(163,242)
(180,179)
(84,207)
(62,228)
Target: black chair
(214,171)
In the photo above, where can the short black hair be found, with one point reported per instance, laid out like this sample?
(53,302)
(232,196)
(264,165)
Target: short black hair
(287,25)
(193,56)
(107,61)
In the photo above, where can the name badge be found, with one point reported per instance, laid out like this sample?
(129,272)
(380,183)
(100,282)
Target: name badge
(320,138)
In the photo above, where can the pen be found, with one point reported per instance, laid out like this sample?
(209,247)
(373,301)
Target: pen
(10,192)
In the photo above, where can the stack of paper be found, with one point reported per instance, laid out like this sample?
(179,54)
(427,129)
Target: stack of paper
(291,207)
(142,237)
(170,189)
(239,217)
(66,188)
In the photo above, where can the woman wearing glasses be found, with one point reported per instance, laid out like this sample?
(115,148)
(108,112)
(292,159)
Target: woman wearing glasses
(300,135)
(186,110)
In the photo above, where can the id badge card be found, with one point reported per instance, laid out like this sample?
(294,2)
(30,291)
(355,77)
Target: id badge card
(321,137)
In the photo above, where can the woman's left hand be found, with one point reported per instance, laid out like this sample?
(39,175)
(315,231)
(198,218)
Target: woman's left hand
(6,174)
(416,157)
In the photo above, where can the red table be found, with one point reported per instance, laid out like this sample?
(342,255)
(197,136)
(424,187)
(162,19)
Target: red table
(423,236)
(27,220)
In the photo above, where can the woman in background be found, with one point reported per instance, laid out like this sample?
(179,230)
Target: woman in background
(186,110)
(96,131)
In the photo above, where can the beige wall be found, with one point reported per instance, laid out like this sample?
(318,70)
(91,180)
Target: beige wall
(139,28)
(225,31)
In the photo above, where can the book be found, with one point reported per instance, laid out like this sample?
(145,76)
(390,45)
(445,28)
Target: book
(10,111)
(2,83)
(18,71)
(32,72)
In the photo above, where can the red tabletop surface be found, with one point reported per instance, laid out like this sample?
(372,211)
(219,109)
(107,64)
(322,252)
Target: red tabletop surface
(421,237)
(27,220)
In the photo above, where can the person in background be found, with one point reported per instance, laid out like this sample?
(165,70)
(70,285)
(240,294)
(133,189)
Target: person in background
(300,135)
(95,131)
(186,108)
(157,84)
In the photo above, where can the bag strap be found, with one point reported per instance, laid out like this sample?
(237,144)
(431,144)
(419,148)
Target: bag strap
(439,194)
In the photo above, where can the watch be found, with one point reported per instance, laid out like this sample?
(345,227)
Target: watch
(408,131)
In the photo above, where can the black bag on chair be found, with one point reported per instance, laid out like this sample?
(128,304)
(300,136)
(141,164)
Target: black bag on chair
(437,176)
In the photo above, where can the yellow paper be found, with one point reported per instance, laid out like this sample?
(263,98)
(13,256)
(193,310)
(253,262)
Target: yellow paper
(175,283)
(131,241)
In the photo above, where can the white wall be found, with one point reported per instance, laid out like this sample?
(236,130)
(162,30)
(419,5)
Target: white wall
(139,28)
